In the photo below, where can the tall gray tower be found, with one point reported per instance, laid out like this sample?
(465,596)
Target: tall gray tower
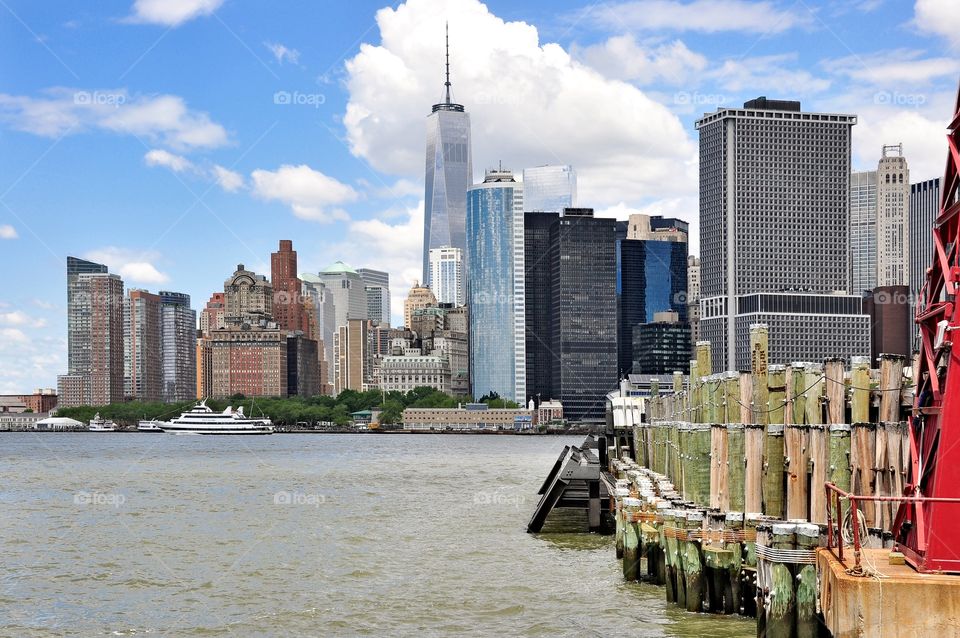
(448,174)
(774,228)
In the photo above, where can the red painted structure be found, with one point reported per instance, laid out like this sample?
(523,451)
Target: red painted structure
(928,531)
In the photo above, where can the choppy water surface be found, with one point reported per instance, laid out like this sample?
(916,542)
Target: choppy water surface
(316,535)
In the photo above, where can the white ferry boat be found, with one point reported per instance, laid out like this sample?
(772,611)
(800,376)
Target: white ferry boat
(149,426)
(203,420)
(101,425)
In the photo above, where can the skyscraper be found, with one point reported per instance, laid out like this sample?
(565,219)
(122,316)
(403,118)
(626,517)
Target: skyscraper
(583,269)
(418,297)
(924,210)
(496,303)
(248,298)
(538,305)
(549,189)
(377,286)
(774,210)
(651,277)
(893,212)
(325,315)
(693,299)
(178,329)
(288,310)
(349,294)
(446,275)
(448,174)
(95,357)
(863,231)
(142,362)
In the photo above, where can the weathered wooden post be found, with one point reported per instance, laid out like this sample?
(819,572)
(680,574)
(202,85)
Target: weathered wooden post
(795,445)
(862,434)
(631,539)
(773,467)
(668,541)
(839,430)
(754,433)
(692,563)
(887,459)
(808,538)
(817,445)
(782,606)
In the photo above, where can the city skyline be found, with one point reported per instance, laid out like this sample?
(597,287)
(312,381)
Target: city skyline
(131,187)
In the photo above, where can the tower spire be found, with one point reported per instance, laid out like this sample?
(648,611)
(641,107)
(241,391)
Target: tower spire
(447,83)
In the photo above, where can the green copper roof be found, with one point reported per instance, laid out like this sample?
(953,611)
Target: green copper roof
(339,267)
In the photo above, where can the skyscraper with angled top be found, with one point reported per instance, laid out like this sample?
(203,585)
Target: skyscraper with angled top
(448,174)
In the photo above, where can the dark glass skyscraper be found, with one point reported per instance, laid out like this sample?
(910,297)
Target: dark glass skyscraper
(583,268)
(540,359)
(448,175)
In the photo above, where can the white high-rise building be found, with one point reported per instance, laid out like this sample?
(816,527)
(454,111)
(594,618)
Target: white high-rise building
(446,275)
(863,231)
(893,209)
(549,189)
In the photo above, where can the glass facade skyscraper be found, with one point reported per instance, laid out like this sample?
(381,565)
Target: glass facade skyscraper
(497,347)
(651,278)
(178,346)
(583,273)
(448,174)
(549,189)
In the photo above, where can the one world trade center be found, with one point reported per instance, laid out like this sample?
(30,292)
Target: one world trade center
(448,175)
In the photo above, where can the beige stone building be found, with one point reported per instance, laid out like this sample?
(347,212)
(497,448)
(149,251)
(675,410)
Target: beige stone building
(470,417)
(418,297)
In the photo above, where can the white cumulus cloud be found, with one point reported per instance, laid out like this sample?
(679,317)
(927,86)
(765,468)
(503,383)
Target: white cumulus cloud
(228,180)
(624,58)
(939,17)
(171,13)
(309,193)
(8,232)
(707,16)
(160,157)
(530,104)
(164,119)
(133,266)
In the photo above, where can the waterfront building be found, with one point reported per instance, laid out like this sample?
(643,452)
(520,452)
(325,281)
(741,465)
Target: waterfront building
(178,329)
(863,231)
(418,298)
(693,299)
(446,275)
(924,210)
(538,305)
(142,360)
(288,308)
(774,215)
(549,412)
(248,298)
(213,315)
(42,400)
(893,213)
(447,176)
(496,287)
(472,416)
(549,189)
(651,277)
(352,371)
(377,286)
(403,373)
(95,357)
(348,291)
(430,354)
(584,311)
(661,346)
(249,360)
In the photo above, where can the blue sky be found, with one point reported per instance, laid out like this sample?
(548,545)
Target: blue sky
(175,139)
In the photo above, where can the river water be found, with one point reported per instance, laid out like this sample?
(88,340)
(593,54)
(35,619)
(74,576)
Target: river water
(304,535)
